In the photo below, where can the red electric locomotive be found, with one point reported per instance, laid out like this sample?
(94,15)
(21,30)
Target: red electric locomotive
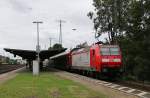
(96,58)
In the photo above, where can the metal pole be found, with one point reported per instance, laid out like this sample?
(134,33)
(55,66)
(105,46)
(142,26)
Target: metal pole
(50,39)
(38,34)
(38,44)
(60,35)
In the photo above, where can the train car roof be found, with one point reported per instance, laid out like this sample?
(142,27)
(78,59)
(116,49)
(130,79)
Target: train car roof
(109,45)
(81,48)
(60,54)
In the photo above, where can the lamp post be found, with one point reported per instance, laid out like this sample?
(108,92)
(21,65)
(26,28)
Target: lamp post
(37,47)
(74,29)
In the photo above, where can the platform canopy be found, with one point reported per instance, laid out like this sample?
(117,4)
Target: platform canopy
(31,54)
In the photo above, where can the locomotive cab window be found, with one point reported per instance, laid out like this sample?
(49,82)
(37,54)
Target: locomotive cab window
(109,51)
(105,51)
(114,51)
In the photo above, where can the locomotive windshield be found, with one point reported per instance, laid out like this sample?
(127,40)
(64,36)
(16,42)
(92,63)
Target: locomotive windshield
(105,51)
(114,51)
(110,51)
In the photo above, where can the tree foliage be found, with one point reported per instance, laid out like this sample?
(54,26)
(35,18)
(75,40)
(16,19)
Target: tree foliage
(56,46)
(82,45)
(109,17)
(129,22)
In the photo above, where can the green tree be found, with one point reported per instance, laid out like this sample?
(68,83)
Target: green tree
(56,46)
(128,21)
(109,17)
(138,32)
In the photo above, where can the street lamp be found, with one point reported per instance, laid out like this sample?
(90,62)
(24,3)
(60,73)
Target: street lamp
(38,45)
(74,29)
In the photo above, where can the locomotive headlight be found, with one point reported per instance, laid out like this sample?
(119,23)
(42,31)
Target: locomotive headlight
(117,60)
(105,60)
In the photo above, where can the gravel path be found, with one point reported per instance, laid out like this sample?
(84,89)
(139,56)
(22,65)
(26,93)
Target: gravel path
(9,75)
(112,93)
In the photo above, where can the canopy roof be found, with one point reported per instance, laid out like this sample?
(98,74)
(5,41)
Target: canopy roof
(31,54)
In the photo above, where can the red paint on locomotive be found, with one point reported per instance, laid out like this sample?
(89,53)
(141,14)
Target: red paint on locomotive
(105,56)
(101,56)
(98,57)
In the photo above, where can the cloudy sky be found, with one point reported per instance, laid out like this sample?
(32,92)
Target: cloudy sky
(18,31)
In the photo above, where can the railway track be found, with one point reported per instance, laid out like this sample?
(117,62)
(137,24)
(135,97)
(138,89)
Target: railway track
(8,68)
(137,85)
(121,88)
(131,84)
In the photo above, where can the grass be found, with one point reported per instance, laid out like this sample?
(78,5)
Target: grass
(46,85)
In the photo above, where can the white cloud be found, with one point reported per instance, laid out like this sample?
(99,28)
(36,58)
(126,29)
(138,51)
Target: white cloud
(18,31)
(22,6)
